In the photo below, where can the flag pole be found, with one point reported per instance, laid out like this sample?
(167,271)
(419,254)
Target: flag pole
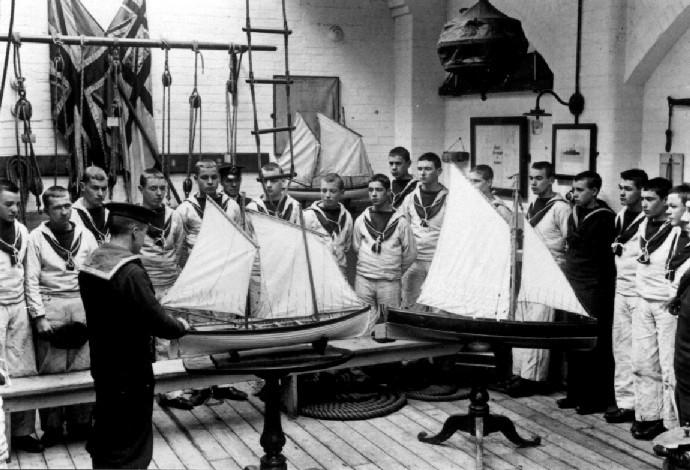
(17,38)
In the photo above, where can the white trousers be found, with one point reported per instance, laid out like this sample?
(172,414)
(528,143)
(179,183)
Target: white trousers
(623,307)
(412,281)
(532,364)
(377,292)
(653,340)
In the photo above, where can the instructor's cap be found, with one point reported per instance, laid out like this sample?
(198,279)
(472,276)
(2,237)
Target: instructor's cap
(228,169)
(130,211)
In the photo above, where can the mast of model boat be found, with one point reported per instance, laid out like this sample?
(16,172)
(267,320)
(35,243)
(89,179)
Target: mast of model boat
(515,256)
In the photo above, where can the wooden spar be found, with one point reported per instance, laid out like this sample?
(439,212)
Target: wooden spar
(17,38)
(514,255)
(315,305)
(248,307)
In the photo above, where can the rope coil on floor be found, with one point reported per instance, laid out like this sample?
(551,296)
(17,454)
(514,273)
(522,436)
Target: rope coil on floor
(439,393)
(356,406)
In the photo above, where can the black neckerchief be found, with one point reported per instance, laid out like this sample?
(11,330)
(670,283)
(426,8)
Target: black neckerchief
(649,246)
(535,217)
(90,225)
(279,210)
(678,255)
(380,236)
(66,255)
(333,227)
(12,249)
(400,195)
(624,234)
(426,213)
(158,234)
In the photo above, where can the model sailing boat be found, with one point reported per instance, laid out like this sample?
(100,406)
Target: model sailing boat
(214,284)
(337,150)
(482,289)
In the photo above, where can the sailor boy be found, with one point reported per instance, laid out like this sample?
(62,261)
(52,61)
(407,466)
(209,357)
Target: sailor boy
(231,181)
(89,211)
(424,209)
(653,329)
(626,249)
(192,209)
(403,183)
(279,203)
(385,247)
(57,248)
(16,339)
(330,217)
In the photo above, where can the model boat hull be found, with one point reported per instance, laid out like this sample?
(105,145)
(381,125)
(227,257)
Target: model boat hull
(573,332)
(241,334)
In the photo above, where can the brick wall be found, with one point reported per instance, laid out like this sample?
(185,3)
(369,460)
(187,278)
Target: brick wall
(364,61)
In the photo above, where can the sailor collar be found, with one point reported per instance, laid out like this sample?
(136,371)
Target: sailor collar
(14,249)
(408,188)
(88,221)
(380,236)
(160,234)
(67,255)
(335,225)
(426,213)
(107,260)
(535,218)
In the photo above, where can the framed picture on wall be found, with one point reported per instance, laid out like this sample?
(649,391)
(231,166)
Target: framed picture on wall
(501,143)
(573,149)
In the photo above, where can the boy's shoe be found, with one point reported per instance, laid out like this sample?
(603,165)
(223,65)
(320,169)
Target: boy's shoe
(619,415)
(27,443)
(647,430)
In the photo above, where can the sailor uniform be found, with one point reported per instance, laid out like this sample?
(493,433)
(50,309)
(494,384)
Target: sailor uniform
(653,329)
(338,229)
(383,256)
(82,216)
(681,360)
(52,292)
(626,249)
(590,269)
(161,251)
(425,221)
(287,208)
(191,211)
(550,221)
(400,188)
(120,305)
(16,338)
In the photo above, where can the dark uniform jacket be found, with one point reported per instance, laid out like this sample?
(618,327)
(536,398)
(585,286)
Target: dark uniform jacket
(122,315)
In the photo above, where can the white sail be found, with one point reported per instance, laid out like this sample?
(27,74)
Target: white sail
(216,276)
(470,272)
(342,152)
(286,290)
(306,152)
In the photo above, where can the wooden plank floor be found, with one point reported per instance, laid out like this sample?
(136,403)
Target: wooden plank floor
(225,435)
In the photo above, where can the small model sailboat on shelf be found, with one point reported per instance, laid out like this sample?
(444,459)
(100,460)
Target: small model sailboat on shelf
(482,288)
(304,296)
(336,150)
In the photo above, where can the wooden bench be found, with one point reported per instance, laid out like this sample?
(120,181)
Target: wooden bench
(46,391)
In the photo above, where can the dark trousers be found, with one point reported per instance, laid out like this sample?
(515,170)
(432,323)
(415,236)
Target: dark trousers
(590,373)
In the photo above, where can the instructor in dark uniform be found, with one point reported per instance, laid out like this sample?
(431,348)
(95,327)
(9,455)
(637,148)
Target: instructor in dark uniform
(122,315)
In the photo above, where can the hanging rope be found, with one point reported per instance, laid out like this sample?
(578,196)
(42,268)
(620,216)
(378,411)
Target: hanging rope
(80,141)
(23,169)
(194,118)
(165,119)
(231,102)
(117,154)
(7,52)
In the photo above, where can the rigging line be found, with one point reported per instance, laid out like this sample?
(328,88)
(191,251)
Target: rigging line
(85,157)
(7,52)
(165,154)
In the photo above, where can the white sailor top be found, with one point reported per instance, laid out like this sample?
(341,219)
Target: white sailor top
(425,221)
(81,216)
(53,270)
(161,250)
(383,255)
(339,231)
(551,223)
(12,258)
(650,278)
(288,208)
(191,215)
(626,249)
